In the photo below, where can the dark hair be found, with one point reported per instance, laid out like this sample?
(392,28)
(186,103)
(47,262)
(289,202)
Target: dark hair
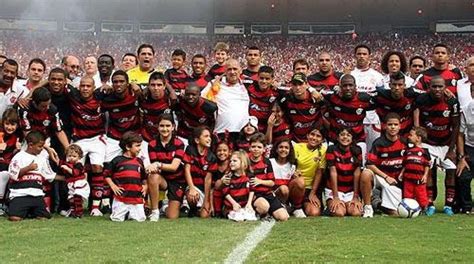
(128,54)
(165,116)
(3,56)
(11,62)
(128,139)
(386,57)
(106,55)
(419,58)
(144,46)
(300,61)
(353,148)
(441,45)
(38,61)
(197,132)
(291,155)
(396,76)
(362,46)
(157,76)
(267,69)
(75,148)
(41,94)
(348,75)
(58,70)
(258,137)
(392,115)
(179,52)
(421,132)
(199,56)
(11,116)
(35,137)
(120,73)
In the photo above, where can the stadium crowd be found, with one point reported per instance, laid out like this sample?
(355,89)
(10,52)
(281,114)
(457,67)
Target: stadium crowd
(243,128)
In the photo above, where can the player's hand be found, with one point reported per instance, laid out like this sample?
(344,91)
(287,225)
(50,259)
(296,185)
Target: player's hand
(33,166)
(144,189)
(355,203)
(226,179)
(271,120)
(236,207)
(249,206)
(400,177)
(107,89)
(462,164)
(117,190)
(424,179)
(255,181)
(152,168)
(451,155)
(314,200)
(24,102)
(3,146)
(297,174)
(336,202)
(193,195)
(391,180)
(317,96)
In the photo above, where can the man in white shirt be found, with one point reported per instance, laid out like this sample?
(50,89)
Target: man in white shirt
(367,79)
(232,101)
(464,85)
(10,90)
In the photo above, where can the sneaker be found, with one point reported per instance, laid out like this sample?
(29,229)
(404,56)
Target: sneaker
(237,216)
(2,211)
(368,211)
(96,212)
(299,213)
(154,216)
(65,213)
(431,210)
(448,210)
(106,209)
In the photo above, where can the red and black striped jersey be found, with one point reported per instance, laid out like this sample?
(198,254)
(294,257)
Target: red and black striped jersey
(238,189)
(249,77)
(123,114)
(200,164)
(342,158)
(78,171)
(262,170)
(86,116)
(260,105)
(200,80)
(129,174)
(438,118)
(321,82)
(280,132)
(242,143)
(415,160)
(190,117)
(10,150)
(47,121)
(350,113)
(165,154)
(450,78)
(216,70)
(302,115)
(384,104)
(176,78)
(387,156)
(151,111)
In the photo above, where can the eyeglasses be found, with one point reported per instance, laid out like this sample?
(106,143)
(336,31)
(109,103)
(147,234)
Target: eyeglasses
(416,66)
(75,66)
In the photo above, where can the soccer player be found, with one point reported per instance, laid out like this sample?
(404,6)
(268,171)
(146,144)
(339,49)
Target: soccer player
(10,93)
(28,172)
(199,76)
(141,73)
(440,58)
(262,181)
(129,61)
(440,116)
(221,54)
(417,64)
(367,80)
(301,110)
(277,127)
(177,76)
(166,171)
(384,165)
(35,73)
(254,60)
(392,62)
(326,78)
(262,96)
(127,178)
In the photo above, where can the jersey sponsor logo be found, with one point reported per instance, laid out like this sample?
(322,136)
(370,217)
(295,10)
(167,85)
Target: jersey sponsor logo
(395,163)
(303,125)
(337,108)
(292,111)
(90,118)
(348,124)
(115,110)
(126,119)
(359,111)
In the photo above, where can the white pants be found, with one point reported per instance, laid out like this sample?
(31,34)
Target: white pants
(4,176)
(344,197)
(391,195)
(438,156)
(120,210)
(95,148)
(80,187)
(112,150)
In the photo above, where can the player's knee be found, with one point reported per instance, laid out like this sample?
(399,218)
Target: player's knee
(311,210)
(15,218)
(261,206)
(366,177)
(281,215)
(283,192)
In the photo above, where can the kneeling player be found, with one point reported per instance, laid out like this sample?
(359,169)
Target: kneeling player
(127,178)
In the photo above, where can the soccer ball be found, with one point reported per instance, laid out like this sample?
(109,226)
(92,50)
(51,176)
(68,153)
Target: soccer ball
(408,208)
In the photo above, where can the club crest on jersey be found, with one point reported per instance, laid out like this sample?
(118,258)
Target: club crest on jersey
(202,120)
(384,155)
(407,107)
(272,99)
(446,113)
(167,111)
(359,111)
(453,82)
(402,152)
(337,108)
(205,167)
(46,122)
(420,153)
(312,110)
(287,132)
(136,103)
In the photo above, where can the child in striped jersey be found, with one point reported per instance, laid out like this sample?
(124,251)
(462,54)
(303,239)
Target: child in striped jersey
(238,197)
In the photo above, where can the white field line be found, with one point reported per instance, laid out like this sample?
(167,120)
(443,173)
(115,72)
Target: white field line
(243,250)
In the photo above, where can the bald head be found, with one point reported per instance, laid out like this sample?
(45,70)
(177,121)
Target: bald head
(232,71)
(72,66)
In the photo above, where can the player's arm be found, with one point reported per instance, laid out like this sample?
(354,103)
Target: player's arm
(333,177)
(62,139)
(416,117)
(207,191)
(250,200)
(453,139)
(380,173)
(462,163)
(313,198)
(235,205)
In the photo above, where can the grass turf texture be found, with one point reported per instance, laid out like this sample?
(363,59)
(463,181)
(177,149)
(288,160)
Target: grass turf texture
(382,239)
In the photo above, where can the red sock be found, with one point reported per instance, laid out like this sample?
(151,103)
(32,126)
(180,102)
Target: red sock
(450,193)
(79,210)
(218,200)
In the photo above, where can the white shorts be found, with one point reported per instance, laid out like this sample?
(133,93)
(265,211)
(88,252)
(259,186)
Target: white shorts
(201,197)
(80,187)
(120,210)
(4,177)
(112,150)
(95,147)
(143,155)
(344,197)
(438,156)
(391,195)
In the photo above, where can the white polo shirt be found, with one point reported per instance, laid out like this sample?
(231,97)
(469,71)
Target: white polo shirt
(10,97)
(464,92)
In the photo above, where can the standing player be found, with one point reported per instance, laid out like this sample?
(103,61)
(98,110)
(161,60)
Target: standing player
(221,54)
(199,76)
(326,78)
(129,61)
(140,74)
(392,62)
(9,91)
(177,76)
(254,59)
(35,72)
(417,65)
(440,116)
